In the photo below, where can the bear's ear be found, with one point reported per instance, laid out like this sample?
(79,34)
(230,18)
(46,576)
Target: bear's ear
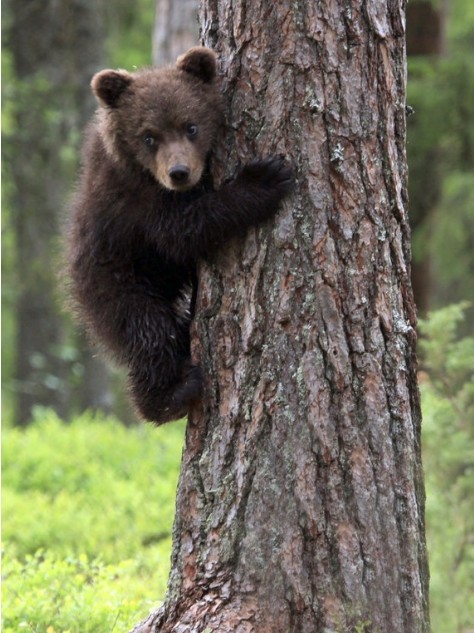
(108,85)
(200,62)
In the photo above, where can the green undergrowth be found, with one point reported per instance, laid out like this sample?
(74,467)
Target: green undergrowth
(448,450)
(87,516)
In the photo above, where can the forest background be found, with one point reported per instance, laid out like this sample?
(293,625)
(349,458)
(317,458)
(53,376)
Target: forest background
(78,553)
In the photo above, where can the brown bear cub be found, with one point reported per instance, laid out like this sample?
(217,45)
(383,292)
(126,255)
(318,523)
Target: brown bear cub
(143,215)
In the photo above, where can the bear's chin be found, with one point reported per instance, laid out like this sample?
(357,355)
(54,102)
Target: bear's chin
(178,188)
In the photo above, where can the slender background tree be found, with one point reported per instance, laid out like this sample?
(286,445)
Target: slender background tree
(175,29)
(441,153)
(301,505)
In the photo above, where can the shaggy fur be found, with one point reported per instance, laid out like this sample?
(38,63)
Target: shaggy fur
(144,214)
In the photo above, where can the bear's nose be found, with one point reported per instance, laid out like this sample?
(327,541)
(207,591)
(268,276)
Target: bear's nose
(179,174)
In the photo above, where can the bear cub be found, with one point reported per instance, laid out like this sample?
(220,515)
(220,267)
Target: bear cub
(144,213)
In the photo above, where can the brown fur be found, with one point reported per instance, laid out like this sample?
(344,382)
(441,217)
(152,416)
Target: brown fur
(144,213)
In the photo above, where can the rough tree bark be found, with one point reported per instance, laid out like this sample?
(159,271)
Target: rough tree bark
(301,503)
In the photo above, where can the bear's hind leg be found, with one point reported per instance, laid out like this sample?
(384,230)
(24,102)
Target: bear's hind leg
(159,401)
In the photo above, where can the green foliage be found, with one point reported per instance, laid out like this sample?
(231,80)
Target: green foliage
(87,516)
(47,594)
(461,25)
(448,438)
(9,290)
(129,30)
(452,240)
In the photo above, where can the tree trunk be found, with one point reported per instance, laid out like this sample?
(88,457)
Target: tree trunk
(176,29)
(426,35)
(301,504)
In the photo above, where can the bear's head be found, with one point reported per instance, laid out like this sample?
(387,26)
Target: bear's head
(164,119)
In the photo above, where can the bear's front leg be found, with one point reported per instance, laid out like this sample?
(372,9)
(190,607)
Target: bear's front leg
(269,179)
(205,224)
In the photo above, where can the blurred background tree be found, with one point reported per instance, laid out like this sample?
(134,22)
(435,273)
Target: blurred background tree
(441,151)
(175,29)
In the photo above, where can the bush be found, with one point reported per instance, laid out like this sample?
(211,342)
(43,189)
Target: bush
(87,518)
(47,594)
(448,439)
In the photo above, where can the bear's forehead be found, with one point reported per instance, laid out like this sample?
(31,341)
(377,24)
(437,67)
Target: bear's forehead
(168,88)
(169,97)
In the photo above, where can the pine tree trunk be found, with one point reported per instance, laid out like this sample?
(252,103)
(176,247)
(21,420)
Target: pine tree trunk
(301,504)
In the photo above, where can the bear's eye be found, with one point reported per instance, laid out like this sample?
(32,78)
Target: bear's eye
(191,130)
(150,141)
